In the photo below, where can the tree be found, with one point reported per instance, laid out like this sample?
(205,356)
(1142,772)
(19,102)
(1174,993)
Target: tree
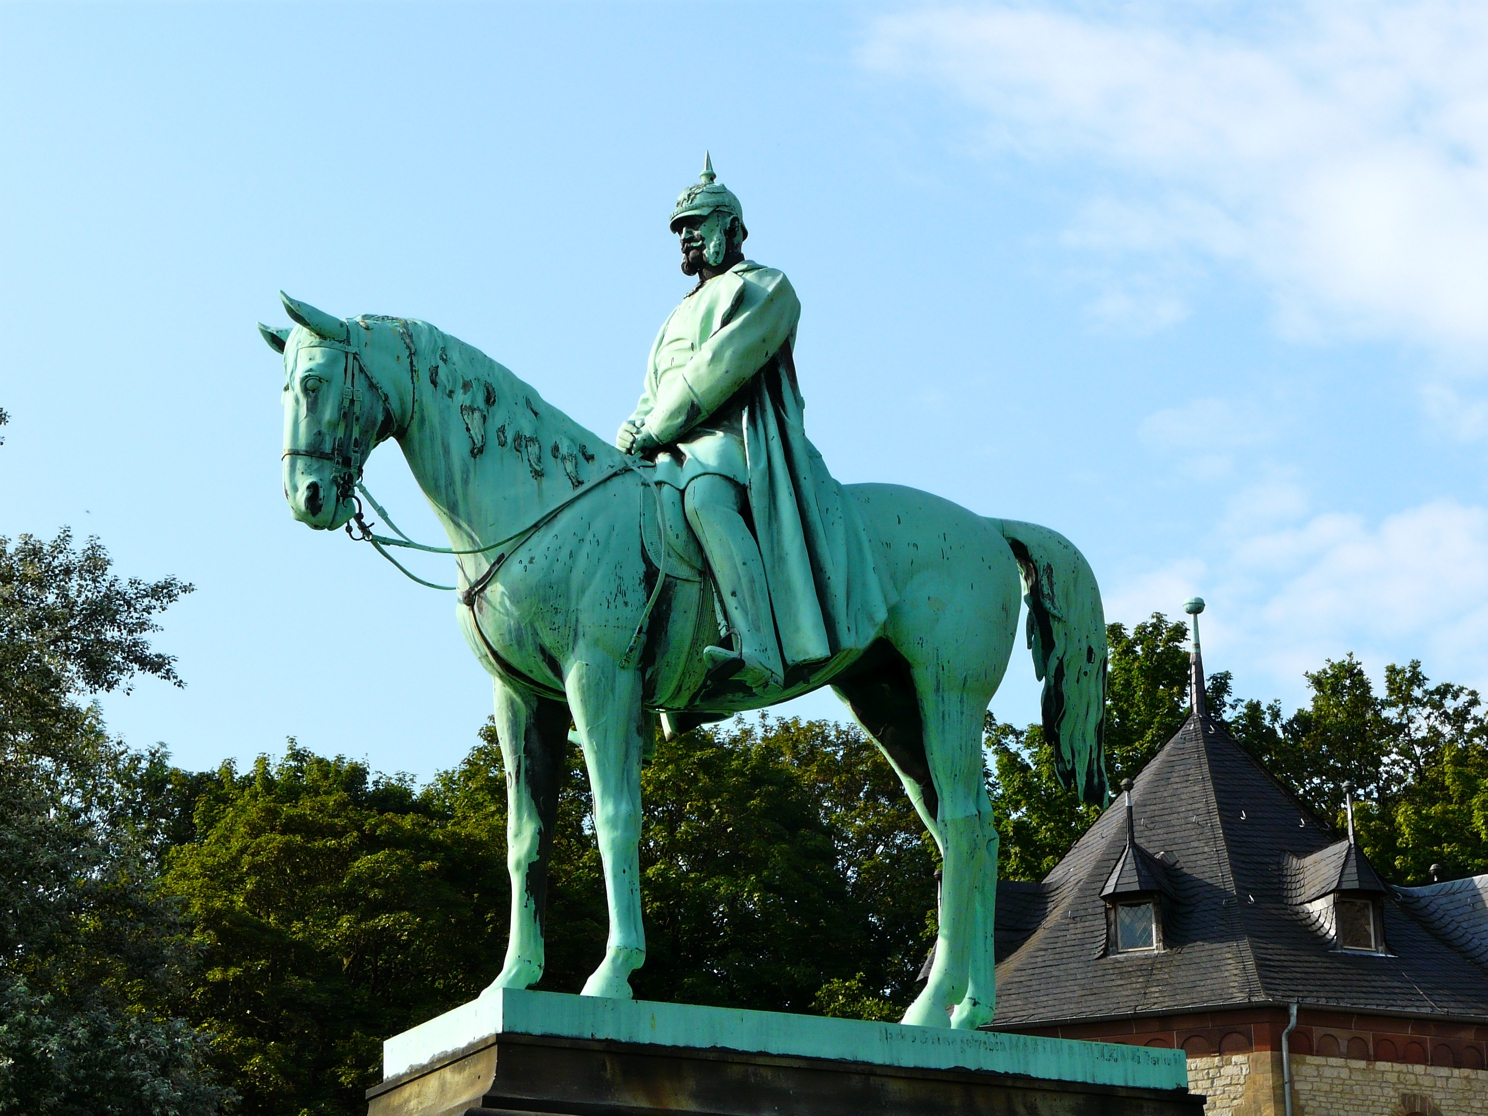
(1415,755)
(783,868)
(1343,736)
(336,908)
(91,955)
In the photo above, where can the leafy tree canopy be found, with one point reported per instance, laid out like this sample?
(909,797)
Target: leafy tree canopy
(274,925)
(91,956)
(1416,756)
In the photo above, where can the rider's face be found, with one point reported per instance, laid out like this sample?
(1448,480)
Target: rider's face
(692,244)
(694,234)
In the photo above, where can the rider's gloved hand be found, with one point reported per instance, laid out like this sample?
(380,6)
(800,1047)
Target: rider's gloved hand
(625,439)
(634,438)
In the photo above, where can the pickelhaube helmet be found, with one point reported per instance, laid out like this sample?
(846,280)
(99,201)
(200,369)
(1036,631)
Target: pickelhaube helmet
(707,195)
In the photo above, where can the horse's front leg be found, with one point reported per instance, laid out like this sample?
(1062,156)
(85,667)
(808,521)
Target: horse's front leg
(606,704)
(533,734)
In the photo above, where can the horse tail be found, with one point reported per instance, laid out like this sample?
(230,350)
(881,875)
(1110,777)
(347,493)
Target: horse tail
(1067,635)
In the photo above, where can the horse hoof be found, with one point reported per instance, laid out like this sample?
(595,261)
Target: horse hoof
(517,974)
(925,1012)
(614,988)
(970,1014)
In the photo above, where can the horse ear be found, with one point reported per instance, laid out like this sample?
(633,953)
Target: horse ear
(277,338)
(316,321)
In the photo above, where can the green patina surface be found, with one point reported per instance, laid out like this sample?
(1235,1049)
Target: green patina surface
(511,1011)
(578,595)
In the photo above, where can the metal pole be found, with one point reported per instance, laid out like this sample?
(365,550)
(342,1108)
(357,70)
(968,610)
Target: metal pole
(1286,1059)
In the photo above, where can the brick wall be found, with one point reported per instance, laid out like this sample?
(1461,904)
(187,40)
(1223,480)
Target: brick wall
(1324,1086)
(1251,1085)
(1241,1084)
(1356,1035)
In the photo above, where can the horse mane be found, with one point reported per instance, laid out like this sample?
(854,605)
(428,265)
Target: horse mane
(499,410)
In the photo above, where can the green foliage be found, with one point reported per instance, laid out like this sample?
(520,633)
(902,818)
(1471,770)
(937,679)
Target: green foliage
(1037,820)
(334,909)
(298,913)
(1415,755)
(1146,692)
(782,866)
(850,998)
(69,628)
(1146,703)
(92,957)
(776,859)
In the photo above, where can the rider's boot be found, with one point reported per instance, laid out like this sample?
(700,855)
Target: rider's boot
(713,505)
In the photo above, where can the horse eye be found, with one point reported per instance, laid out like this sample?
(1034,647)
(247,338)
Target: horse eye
(309,385)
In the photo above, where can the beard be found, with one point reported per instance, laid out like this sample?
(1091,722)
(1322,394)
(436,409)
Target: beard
(693,257)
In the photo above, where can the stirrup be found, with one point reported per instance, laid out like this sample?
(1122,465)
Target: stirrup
(724,664)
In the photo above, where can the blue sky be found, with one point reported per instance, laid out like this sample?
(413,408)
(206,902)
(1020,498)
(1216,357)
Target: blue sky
(1202,286)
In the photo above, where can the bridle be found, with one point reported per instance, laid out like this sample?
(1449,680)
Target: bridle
(346,453)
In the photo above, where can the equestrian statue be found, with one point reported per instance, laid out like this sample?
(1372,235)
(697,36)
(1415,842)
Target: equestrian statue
(705,564)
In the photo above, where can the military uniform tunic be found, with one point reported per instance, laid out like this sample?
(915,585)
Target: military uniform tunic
(707,351)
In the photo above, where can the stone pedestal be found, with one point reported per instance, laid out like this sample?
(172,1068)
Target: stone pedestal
(538,1052)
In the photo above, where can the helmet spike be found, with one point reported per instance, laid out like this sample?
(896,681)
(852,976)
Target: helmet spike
(706,195)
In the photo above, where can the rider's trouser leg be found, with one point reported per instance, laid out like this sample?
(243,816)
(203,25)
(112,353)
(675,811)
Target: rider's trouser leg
(714,506)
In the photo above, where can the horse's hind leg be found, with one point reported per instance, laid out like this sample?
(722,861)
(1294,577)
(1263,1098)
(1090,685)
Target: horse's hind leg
(977,1006)
(952,726)
(883,700)
(533,734)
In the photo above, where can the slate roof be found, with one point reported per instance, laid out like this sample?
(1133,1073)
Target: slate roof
(1223,828)
(1456,911)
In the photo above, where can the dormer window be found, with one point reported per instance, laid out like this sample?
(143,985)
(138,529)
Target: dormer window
(1136,926)
(1337,892)
(1133,894)
(1354,924)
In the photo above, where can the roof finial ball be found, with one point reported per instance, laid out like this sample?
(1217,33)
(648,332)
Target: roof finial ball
(1193,606)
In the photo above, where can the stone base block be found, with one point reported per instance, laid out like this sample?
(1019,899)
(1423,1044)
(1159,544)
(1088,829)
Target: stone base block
(570,1056)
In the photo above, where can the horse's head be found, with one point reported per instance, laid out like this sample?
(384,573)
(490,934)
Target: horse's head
(333,414)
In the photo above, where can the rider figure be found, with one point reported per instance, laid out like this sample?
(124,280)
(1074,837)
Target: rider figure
(693,406)
(721,416)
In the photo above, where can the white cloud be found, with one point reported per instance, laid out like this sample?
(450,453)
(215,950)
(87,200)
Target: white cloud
(1207,434)
(1138,307)
(1414,585)
(1466,419)
(1340,151)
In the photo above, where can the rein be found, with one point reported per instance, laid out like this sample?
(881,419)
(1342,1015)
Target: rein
(364,533)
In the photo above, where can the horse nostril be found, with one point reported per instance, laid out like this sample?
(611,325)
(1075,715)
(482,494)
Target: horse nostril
(313,502)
